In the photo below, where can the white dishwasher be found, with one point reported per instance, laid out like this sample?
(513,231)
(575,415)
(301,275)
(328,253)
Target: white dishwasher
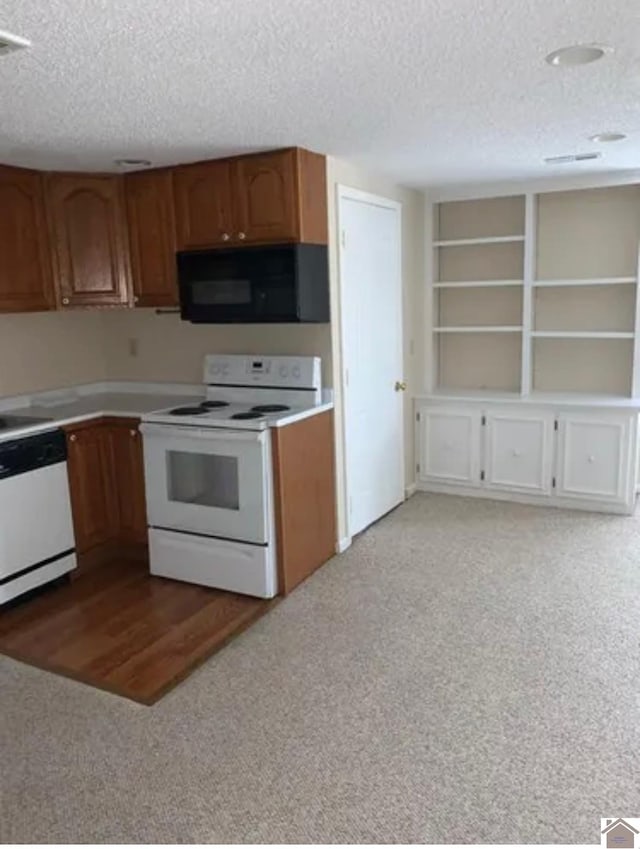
(37,542)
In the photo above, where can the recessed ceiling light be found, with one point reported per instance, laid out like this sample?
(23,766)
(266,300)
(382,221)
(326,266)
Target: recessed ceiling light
(577,54)
(607,137)
(571,157)
(10,42)
(132,163)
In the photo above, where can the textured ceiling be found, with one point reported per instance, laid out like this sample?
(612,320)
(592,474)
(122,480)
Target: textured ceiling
(430,92)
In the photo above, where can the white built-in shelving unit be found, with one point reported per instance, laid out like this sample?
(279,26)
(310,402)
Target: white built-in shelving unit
(537,293)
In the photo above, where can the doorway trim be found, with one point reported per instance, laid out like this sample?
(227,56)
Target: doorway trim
(344,192)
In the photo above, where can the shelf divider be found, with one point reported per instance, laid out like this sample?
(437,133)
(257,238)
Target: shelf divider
(475,284)
(582,334)
(479,329)
(490,240)
(594,281)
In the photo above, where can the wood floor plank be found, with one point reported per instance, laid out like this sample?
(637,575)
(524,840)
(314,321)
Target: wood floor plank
(120,629)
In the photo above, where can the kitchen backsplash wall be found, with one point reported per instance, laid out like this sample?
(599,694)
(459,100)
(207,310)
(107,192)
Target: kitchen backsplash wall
(50,350)
(141,345)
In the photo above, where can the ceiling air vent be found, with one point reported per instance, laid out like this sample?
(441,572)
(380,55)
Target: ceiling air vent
(10,42)
(571,157)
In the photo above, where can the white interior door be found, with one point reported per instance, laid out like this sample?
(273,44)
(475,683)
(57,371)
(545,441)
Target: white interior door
(371,301)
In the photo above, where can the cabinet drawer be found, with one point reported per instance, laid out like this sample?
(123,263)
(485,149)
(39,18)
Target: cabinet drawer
(519,451)
(595,455)
(449,445)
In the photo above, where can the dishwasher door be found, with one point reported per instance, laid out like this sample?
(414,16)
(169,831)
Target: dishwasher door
(36,529)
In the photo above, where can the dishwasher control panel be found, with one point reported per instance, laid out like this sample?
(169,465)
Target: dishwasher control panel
(24,454)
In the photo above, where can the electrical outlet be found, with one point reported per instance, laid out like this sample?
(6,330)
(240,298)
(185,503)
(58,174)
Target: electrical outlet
(133,347)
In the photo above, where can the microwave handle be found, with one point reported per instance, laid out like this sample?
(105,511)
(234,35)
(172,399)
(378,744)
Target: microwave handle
(210,433)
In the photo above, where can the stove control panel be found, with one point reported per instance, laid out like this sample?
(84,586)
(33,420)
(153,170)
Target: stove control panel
(250,370)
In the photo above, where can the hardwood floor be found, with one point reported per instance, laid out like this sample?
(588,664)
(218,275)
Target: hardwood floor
(120,629)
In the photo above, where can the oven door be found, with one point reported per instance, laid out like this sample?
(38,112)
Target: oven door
(208,481)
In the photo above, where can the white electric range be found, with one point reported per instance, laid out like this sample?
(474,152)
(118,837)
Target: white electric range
(208,472)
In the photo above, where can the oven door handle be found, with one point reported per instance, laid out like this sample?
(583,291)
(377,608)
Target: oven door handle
(209,433)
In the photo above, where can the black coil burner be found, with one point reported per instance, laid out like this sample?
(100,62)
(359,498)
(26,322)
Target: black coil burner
(187,411)
(270,408)
(214,405)
(249,415)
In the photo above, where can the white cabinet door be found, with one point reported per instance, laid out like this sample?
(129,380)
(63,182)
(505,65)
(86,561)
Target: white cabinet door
(449,445)
(595,456)
(519,450)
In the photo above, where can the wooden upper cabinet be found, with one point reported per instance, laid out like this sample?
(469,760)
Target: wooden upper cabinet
(203,204)
(150,219)
(88,229)
(280,196)
(265,197)
(26,283)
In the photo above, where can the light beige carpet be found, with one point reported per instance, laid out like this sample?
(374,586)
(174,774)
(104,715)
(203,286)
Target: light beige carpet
(467,672)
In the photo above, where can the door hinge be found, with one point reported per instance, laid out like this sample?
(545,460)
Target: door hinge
(343,239)
(553,483)
(482,475)
(417,417)
(555,424)
(484,421)
(346,377)
(418,467)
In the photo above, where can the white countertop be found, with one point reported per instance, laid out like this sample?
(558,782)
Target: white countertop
(71,406)
(555,399)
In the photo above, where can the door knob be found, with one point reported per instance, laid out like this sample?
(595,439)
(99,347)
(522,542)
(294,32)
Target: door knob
(242,236)
(65,301)
(400,385)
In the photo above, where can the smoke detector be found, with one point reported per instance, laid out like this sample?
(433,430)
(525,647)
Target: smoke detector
(10,42)
(571,157)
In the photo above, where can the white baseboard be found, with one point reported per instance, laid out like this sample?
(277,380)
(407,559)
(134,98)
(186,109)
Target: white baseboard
(522,498)
(410,490)
(343,544)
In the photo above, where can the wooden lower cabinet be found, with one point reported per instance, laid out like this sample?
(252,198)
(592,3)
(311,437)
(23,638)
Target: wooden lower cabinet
(128,462)
(106,480)
(305,486)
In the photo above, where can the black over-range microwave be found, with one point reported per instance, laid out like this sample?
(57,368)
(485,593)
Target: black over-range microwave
(276,283)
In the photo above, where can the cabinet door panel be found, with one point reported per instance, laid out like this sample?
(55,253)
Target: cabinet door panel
(149,197)
(265,197)
(519,451)
(26,281)
(595,457)
(88,228)
(91,482)
(129,479)
(203,204)
(449,445)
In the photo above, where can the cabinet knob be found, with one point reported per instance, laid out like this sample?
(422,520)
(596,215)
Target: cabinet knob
(73,437)
(135,299)
(591,458)
(133,433)
(400,386)
(225,237)
(516,453)
(65,301)
(242,236)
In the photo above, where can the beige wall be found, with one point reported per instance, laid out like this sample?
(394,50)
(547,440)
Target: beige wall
(50,350)
(170,349)
(413,274)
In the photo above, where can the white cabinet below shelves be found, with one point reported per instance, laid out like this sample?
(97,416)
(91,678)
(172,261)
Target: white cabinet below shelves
(449,445)
(519,451)
(595,457)
(539,454)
